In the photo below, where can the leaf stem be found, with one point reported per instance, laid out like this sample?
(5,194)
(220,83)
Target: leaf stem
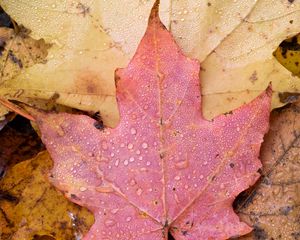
(15,108)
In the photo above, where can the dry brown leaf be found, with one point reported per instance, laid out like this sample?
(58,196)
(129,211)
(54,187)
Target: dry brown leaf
(273,206)
(30,206)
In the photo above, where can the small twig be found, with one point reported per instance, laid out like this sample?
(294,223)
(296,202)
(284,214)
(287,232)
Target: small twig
(15,108)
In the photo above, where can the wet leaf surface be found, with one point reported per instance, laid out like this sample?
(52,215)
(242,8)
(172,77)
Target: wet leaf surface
(18,51)
(19,142)
(160,171)
(234,41)
(31,207)
(273,206)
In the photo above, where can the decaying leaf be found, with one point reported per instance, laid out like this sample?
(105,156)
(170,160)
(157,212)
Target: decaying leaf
(273,207)
(18,51)
(30,206)
(160,171)
(288,54)
(234,40)
(19,142)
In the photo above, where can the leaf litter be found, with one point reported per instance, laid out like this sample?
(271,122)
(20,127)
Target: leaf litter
(287,97)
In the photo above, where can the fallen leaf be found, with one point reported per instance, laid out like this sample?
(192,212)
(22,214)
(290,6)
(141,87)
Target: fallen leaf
(30,206)
(288,54)
(234,40)
(273,206)
(81,63)
(160,171)
(19,142)
(18,51)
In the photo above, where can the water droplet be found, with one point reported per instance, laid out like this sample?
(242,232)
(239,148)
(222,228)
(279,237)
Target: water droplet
(132,182)
(104,189)
(144,145)
(205,163)
(110,222)
(148,163)
(112,154)
(238,129)
(201,176)
(133,131)
(82,189)
(138,152)
(130,146)
(182,164)
(117,162)
(126,162)
(128,219)
(131,159)
(114,211)
(139,191)
(177,178)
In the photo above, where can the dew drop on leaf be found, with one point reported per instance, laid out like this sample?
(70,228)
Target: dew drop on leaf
(82,189)
(114,211)
(130,146)
(110,222)
(133,131)
(139,191)
(177,178)
(144,145)
(126,162)
(182,164)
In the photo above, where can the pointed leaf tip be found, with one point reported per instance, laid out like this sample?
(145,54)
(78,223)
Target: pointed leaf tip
(154,14)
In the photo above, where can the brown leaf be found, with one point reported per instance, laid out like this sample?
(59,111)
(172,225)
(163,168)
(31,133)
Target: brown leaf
(273,206)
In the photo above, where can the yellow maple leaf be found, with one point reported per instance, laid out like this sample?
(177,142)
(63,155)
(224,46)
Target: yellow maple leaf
(233,40)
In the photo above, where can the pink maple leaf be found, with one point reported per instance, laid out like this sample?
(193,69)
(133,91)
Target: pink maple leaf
(164,170)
